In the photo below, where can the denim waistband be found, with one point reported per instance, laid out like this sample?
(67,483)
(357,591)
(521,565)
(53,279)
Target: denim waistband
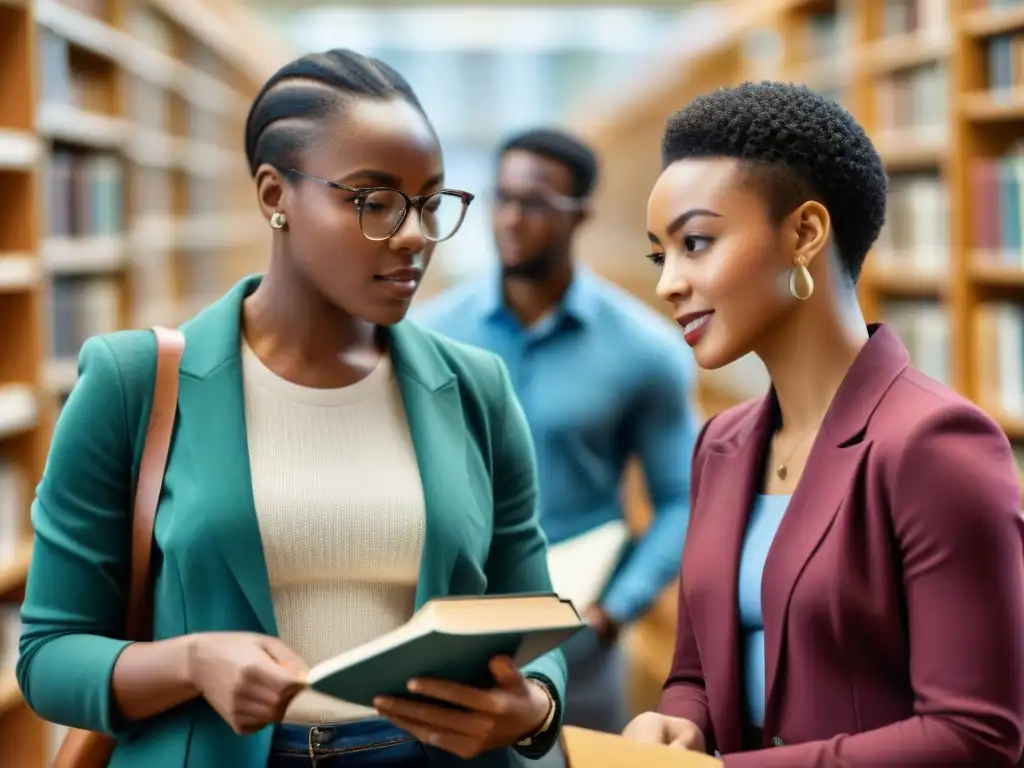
(292,738)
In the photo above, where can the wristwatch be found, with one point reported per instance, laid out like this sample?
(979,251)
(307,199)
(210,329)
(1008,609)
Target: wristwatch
(552,710)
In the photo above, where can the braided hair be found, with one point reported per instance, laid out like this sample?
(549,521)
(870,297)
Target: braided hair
(286,114)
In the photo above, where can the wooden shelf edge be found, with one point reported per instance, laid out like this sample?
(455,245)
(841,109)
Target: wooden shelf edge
(986,270)
(889,54)
(18,272)
(906,281)
(985,22)
(992,105)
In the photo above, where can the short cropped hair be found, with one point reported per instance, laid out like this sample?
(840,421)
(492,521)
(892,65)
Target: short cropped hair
(797,145)
(563,148)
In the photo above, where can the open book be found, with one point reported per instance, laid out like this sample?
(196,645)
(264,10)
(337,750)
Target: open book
(452,638)
(582,566)
(591,749)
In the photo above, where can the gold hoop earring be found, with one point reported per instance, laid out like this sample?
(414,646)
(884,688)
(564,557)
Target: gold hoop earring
(801,284)
(277,220)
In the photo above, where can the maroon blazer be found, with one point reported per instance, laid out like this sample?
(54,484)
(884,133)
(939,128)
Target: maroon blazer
(892,595)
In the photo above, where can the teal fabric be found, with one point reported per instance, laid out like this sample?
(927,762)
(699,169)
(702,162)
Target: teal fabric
(479,477)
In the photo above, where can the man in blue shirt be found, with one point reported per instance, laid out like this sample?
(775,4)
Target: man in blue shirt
(602,378)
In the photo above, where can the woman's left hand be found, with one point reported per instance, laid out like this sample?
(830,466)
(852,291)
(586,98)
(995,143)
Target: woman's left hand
(490,718)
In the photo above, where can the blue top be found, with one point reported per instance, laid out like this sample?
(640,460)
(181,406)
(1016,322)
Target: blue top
(761,529)
(601,379)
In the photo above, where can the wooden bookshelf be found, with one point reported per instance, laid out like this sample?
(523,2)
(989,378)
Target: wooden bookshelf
(937,86)
(127,202)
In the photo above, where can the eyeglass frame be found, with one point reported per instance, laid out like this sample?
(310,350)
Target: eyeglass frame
(556,203)
(418,202)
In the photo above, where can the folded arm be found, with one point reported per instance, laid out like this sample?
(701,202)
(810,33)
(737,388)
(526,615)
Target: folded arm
(662,428)
(517,561)
(956,516)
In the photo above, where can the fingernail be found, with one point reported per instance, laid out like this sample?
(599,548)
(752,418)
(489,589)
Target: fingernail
(381,702)
(413,685)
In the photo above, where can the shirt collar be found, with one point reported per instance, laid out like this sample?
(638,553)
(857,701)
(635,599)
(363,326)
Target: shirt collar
(580,303)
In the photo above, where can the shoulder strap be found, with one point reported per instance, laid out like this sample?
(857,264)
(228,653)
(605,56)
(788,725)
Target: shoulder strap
(170,345)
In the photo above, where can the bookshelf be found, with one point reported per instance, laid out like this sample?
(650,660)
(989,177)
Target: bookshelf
(127,202)
(939,86)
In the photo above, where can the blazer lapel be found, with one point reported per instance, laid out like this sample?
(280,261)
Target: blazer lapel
(728,481)
(832,465)
(437,424)
(212,423)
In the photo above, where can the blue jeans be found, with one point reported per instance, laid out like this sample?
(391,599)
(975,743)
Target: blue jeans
(359,744)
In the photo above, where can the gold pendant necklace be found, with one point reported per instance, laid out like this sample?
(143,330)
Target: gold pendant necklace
(781,471)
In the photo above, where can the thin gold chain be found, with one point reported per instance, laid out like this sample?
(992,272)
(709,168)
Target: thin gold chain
(782,469)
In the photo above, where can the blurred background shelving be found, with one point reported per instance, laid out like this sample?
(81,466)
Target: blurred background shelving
(127,200)
(126,203)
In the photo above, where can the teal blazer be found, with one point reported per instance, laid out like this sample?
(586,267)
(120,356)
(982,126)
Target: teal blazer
(478,471)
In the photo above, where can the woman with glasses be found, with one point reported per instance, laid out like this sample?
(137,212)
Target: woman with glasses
(332,468)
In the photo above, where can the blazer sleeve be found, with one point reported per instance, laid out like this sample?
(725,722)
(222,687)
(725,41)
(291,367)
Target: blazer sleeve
(683,694)
(517,560)
(75,597)
(955,506)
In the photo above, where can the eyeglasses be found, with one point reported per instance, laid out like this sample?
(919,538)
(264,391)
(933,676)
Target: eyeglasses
(382,210)
(538,203)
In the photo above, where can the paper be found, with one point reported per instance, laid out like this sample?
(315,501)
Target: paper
(580,567)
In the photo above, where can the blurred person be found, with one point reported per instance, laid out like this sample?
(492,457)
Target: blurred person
(308,505)
(602,379)
(853,576)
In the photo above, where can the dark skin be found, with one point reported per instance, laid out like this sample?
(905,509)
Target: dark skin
(719,251)
(534,223)
(317,319)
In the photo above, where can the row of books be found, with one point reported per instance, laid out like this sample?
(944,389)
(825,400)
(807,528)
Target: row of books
(199,274)
(923,327)
(996,205)
(995,5)
(83,193)
(80,307)
(903,17)
(828,35)
(999,339)
(1005,65)
(917,203)
(913,99)
(63,81)
(58,82)
(154,194)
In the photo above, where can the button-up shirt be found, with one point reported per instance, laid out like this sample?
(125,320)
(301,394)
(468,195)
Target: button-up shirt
(601,379)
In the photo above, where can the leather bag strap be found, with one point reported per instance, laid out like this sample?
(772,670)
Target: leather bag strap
(170,345)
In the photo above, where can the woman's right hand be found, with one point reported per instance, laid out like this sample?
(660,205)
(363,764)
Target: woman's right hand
(249,679)
(655,728)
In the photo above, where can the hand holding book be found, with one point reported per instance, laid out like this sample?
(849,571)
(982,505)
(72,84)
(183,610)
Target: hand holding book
(482,719)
